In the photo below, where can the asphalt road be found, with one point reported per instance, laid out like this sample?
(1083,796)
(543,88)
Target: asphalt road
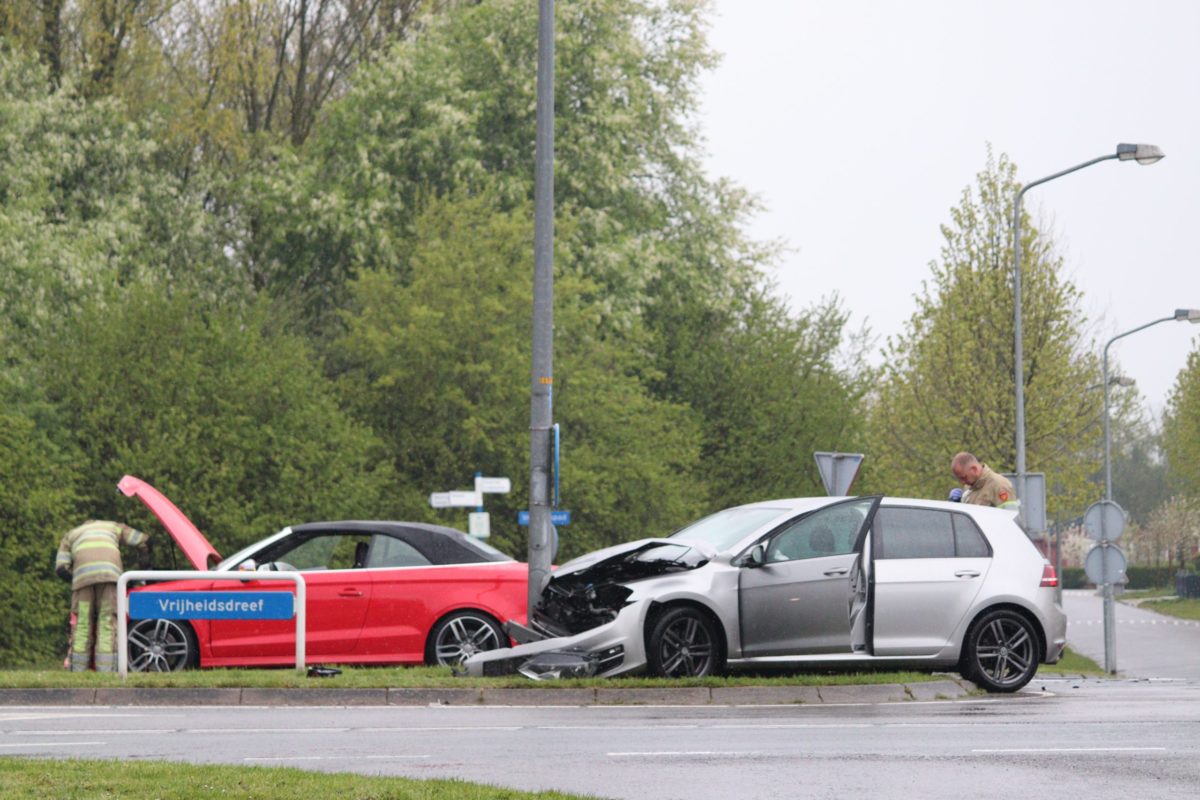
(1099,739)
(1149,645)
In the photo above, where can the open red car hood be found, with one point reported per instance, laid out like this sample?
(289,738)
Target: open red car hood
(197,549)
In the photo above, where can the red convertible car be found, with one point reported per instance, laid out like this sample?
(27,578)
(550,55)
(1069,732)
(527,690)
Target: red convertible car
(378,593)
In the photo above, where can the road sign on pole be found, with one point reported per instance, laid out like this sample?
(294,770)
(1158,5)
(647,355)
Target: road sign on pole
(455,499)
(1104,521)
(492,485)
(479,524)
(1105,566)
(838,471)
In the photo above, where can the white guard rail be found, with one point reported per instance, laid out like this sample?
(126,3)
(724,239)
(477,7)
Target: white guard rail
(184,575)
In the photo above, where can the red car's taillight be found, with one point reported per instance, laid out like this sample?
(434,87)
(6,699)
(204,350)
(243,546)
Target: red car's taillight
(1049,576)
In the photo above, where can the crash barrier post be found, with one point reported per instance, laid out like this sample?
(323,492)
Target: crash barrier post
(183,575)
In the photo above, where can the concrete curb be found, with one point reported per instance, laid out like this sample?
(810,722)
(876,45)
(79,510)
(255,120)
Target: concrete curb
(947,689)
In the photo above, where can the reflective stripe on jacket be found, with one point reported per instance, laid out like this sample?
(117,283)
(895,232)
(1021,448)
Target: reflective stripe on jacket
(93,551)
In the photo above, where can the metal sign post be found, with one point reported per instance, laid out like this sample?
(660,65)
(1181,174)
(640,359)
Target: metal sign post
(1105,566)
(184,575)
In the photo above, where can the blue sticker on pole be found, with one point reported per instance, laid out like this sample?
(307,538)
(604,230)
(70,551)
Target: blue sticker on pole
(211,605)
(556,518)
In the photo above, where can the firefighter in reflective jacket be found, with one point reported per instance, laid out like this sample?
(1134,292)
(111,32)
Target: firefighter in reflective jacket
(90,558)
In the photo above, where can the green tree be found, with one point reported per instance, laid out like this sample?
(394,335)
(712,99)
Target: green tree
(454,110)
(85,206)
(37,504)
(1181,429)
(947,380)
(217,409)
(439,365)
(769,388)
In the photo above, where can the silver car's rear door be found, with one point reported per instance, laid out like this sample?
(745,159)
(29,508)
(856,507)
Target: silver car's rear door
(798,600)
(929,565)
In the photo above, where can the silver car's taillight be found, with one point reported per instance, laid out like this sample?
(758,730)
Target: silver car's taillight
(1049,576)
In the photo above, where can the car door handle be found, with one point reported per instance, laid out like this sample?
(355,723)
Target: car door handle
(350,593)
(967,573)
(838,571)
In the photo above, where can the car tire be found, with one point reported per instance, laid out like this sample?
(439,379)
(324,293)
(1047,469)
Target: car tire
(1000,653)
(458,636)
(684,642)
(162,645)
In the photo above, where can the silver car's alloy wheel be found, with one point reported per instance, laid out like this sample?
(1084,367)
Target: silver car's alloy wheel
(1002,653)
(462,635)
(684,644)
(160,645)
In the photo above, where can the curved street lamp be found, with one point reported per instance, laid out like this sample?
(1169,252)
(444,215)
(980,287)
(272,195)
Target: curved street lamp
(1181,315)
(1141,153)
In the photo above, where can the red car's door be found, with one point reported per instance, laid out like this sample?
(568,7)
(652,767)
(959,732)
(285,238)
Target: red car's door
(408,601)
(337,602)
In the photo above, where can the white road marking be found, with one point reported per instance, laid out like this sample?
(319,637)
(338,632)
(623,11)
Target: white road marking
(332,758)
(101,732)
(52,744)
(669,753)
(1074,750)
(444,728)
(263,730)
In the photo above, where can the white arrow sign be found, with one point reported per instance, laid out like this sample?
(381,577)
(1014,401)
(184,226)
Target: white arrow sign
(455,499)
(493,485)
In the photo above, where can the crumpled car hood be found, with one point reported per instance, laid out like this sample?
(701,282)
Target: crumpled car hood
(190,540)
(589,591)
(620,561)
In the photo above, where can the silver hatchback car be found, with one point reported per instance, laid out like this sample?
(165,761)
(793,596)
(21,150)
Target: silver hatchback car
(817,581)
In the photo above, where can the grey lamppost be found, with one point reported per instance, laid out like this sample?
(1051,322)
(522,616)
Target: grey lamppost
(1141,153)
(1181,315)
(542,379)
(1110,626)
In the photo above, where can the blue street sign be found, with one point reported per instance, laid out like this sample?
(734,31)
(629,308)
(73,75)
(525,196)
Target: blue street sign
(556,518)
(211,605)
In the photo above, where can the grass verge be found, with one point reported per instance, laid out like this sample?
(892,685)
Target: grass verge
(1071,663)
(1175,607)
(35,779)
(419,678)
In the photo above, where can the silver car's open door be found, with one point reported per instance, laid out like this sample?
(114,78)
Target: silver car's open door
(795,588)
(862,586)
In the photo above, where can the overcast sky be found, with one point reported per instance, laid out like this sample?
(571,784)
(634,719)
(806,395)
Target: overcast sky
(859,124)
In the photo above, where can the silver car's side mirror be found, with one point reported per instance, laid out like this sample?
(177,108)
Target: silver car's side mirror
(757,556)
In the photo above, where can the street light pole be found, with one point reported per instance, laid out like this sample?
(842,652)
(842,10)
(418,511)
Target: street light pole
(1143,154)
(541,416)
(1110,622)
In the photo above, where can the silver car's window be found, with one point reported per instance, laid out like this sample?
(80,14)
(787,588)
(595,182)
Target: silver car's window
(968,539)
(829,532)
(927,533)
(726,528)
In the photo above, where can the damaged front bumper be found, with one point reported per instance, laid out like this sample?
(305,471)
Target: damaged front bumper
(615,648)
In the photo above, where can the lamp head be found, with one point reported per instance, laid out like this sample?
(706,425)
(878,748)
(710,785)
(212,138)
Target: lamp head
(1141,153)
(1191,315)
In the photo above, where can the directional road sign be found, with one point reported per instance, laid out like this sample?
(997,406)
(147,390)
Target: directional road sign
(492,485)
(455,499)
